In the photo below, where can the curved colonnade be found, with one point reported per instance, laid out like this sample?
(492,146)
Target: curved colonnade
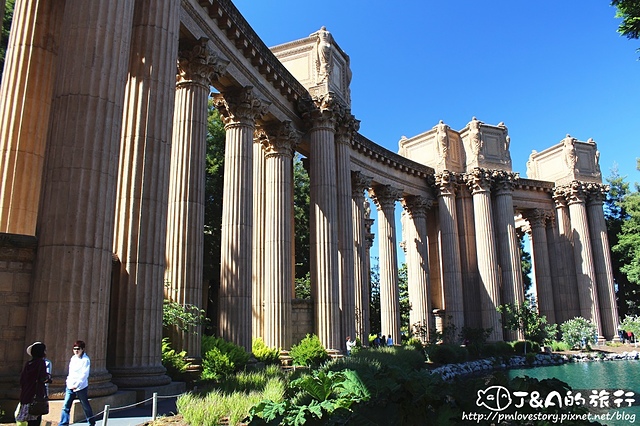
(102,135)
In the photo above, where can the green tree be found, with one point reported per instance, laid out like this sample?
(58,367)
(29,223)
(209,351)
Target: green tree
(6,16)
(631,323)
(628,245)
(301,202)
(405,304)
(214,184)
(629,12)
(526,319)
(616,215)
(374,297)
(525,262)
(579,332)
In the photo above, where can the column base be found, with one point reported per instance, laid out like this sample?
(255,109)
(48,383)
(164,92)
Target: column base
(139,377)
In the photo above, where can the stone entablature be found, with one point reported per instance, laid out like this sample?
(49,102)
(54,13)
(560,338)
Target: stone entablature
(568,160)
(477,145)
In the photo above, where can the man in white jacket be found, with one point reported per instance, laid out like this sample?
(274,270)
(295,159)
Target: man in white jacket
(77,384)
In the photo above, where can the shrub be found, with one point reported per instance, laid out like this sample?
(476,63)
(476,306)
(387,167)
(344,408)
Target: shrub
(448,354)
(221,358)
(579,332)
(309,351)
(414,342)
(524,347)
(263,353)
(173,361)
(497,349)
(559,346)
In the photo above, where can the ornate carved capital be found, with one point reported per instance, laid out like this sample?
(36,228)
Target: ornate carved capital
(576,193)
(596,193)
(346,127)
(199,65)
(278,139)
(537,217)
(359,184)
(240,106)
(560,196)
(504,182)
(417,206)
(321,111)
(479,180)
(446,183)
(385,196)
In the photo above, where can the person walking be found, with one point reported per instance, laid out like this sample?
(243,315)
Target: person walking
(77,384)
(33,382)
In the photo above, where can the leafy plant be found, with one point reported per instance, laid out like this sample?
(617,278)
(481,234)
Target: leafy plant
(173,361)
(526,319)
(221,358)
(474,339)
(309,351)
(318,396)
(632,323)
(263,353)
(579,332)
(448,354)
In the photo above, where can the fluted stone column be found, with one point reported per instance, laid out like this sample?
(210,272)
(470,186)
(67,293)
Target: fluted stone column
(360,183)
(479,181)
(197,68)
(507,240)
(541,264)
(346,128)
(417,255)
(602,261)
(25,105)
(385,197)
(468,256)
(72,277)
(258,259)
(586,274)
(554,259)
(570,307)
(135,357)
(366,290)
(451,268)
(321,115)
(239,110)
(435,265)
(279,142)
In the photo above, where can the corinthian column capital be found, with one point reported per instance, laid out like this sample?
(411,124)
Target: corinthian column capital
(417,205)
(240,106)
(536,217)
(279,139)
(322,111)
(385,196)
(346,127)
(200,65)
(576,193)
(479,180)
(446,183)
(360,183)
(504,181)
(596,193)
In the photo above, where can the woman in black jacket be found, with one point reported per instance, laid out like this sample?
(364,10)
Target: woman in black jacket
(33,380)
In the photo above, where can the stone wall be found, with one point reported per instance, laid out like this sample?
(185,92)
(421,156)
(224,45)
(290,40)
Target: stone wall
(302,319)
(17,254)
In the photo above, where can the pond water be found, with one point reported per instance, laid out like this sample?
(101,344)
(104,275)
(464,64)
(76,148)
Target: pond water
(597,375)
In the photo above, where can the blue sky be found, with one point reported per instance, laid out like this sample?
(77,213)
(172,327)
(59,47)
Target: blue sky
(543,68)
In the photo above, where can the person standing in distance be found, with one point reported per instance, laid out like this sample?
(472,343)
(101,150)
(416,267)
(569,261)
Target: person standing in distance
(77,384)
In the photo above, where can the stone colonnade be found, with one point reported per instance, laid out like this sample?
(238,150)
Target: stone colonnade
(102,138)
